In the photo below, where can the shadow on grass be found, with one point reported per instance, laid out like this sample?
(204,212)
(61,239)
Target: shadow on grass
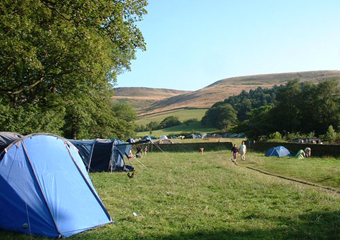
(316,225)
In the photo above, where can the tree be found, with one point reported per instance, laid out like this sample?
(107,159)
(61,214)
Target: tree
(287,111)
(326,107)
(221,116)
(330,134)
(260,122)
(152,125)
(125,112)
(169,122)
(65,51)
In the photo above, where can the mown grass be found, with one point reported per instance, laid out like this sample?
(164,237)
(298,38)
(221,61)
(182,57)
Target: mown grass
(321,171)
(194,196)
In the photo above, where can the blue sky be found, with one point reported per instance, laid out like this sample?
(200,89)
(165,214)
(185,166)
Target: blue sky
(193,43)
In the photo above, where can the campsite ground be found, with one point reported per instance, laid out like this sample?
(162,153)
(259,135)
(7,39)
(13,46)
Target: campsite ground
(194,196)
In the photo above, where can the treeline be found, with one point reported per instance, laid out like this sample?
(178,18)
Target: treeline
(223,115)
(297,107)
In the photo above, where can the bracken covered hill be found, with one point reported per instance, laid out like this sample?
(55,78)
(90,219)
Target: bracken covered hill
(151,100)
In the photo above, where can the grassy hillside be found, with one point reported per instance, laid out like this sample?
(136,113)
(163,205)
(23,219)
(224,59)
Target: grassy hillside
(154,104)
(177,130)
(182,114)
(160,100)
(142,98)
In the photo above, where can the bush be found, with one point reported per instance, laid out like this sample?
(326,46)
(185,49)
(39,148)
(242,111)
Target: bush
(275,136)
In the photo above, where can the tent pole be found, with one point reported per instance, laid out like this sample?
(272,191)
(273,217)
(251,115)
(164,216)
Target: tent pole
(92,148)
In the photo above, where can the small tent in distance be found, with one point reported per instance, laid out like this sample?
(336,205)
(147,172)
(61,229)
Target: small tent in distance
(279,151)
(45,189)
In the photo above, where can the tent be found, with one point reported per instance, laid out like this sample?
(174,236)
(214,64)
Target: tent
(163,137)
(279,151)
(104,154)
(6,138)
(300,154)
(45,189)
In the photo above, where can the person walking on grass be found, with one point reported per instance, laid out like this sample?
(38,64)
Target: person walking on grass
(243,150)
(234,150)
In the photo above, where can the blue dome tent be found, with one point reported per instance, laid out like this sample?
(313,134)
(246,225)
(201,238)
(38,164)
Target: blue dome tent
(279,151)
(46,190)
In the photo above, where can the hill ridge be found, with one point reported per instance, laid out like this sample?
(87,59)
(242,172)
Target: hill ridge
(160,99)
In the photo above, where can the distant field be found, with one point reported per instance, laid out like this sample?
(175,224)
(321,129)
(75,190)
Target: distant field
(182,114)
(193,127)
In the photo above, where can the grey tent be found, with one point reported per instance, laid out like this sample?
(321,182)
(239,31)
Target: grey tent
(6,138)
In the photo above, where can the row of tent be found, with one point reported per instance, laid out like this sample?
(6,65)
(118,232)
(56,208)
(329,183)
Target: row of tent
(281,151)
(45,186)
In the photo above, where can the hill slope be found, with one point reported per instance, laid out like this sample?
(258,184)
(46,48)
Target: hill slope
(141,98)
(150,100)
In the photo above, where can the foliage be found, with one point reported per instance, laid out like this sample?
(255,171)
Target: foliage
(304,108)
(189,121)
(259,124)
(222,116)
(275,136)
(170,122)
(298,107)
(30,118)
(330,134)
(167,122)
(245,102)
(125,112)
(66,52)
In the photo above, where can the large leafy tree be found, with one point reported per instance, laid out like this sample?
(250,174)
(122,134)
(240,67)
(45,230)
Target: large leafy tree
(326,106)
(66,52)
(169,122)
(287,111)
(260,123)
(221,116)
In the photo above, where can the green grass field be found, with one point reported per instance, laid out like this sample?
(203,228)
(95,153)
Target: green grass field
(194,196)
(177,130)
(182,114)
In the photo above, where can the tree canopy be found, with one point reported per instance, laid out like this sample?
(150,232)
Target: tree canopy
(297,107)
(59,60)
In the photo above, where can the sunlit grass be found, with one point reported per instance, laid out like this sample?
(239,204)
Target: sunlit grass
(195,196)
(321,171)
(182,114)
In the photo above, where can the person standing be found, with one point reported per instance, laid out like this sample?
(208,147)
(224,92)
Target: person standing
(243,151)
(234,150)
